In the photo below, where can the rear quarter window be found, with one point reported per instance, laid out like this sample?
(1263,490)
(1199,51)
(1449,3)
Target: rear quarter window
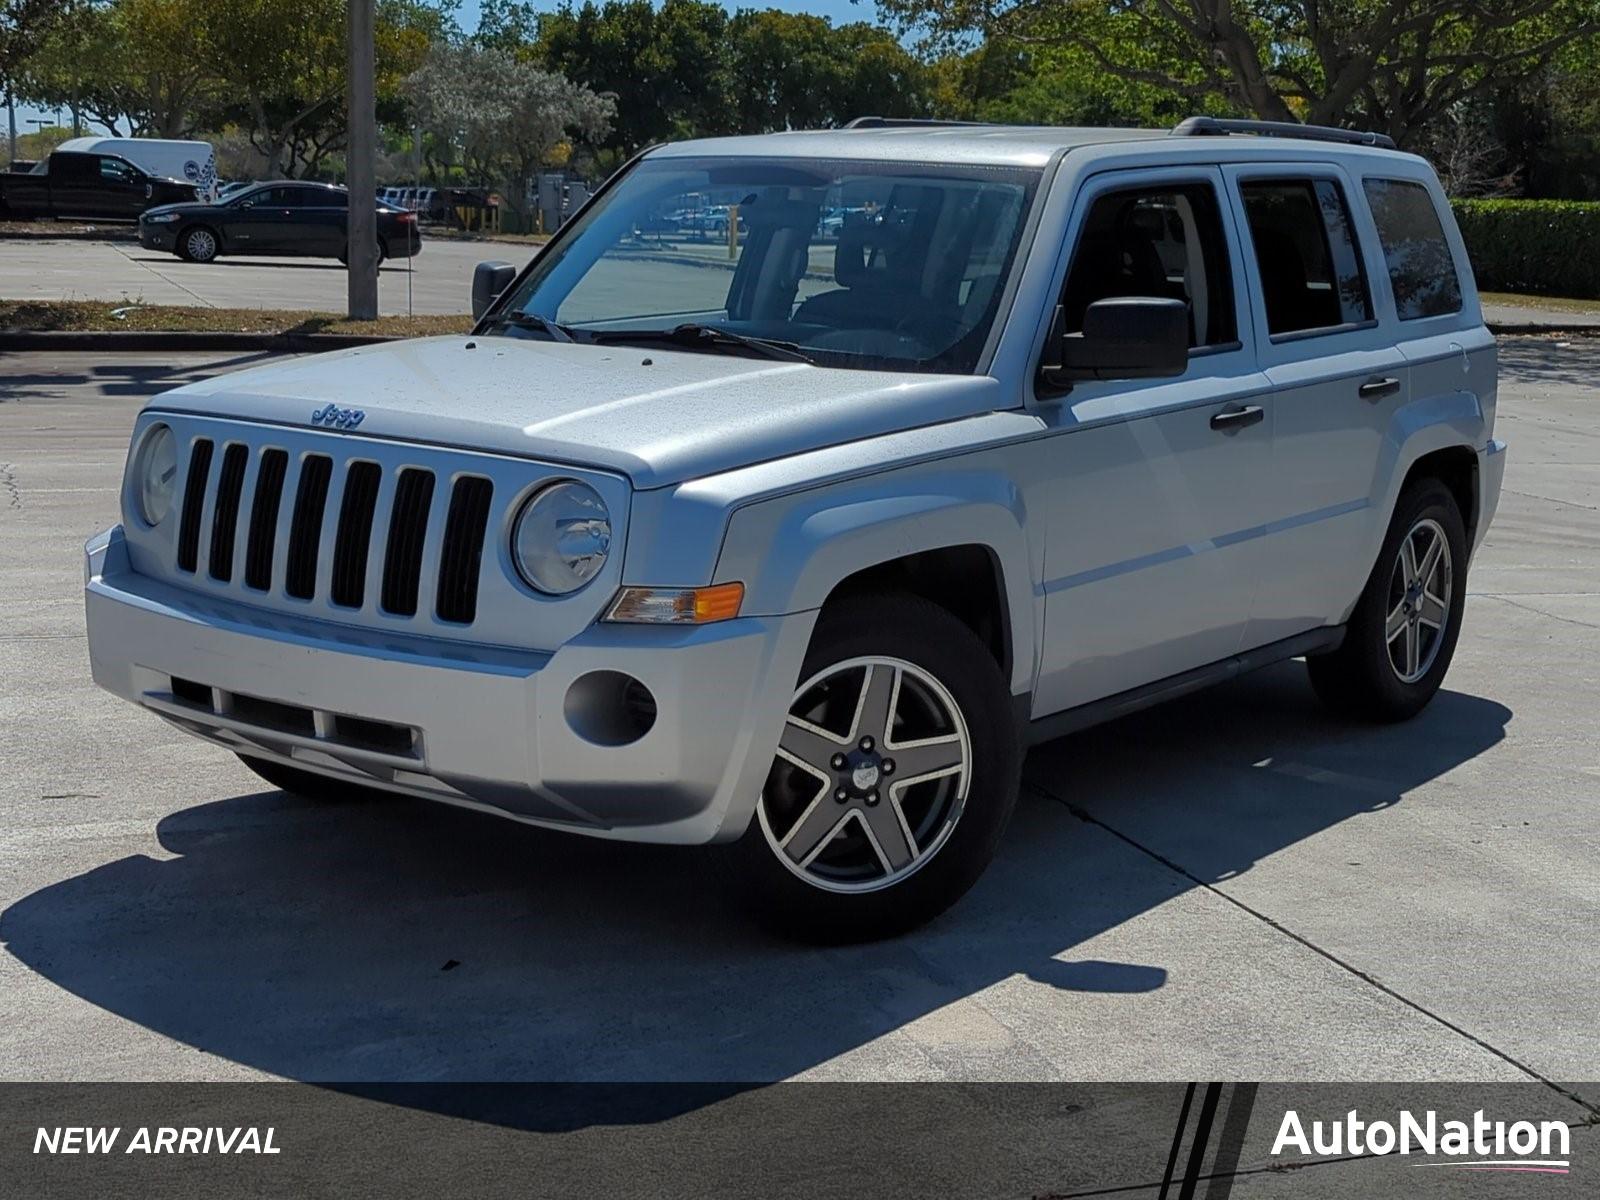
(1422,271)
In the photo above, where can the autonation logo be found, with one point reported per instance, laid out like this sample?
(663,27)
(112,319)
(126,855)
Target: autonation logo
(1481,1144)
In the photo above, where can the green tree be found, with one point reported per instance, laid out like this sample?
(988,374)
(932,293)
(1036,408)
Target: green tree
(24,25)
(795,71)
(507,117)
(1394,65)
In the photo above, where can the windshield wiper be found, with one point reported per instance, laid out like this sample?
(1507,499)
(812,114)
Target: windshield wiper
(528,320)
(691,336)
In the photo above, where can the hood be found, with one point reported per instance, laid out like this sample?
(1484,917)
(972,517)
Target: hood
(177,206)
(659,416)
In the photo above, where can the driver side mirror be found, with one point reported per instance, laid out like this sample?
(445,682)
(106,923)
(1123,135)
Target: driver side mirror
(489,279)
(1125,337)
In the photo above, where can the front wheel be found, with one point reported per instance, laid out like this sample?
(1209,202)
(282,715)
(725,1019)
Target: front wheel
(1402,634)
(894,778)
(198,245)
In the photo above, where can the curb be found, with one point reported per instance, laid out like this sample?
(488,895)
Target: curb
(110,341)
(1530,329)
(71,235)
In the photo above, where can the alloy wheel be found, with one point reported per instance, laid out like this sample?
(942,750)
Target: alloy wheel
(1420,588)
(870,777)
(202,245)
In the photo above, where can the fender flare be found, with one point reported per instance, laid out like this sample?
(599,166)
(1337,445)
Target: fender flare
(792,551)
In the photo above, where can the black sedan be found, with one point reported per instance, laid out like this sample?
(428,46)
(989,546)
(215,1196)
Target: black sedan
(284,219)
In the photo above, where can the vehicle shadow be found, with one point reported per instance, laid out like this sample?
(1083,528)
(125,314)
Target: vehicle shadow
(388,266)
(136,375)
(400,941)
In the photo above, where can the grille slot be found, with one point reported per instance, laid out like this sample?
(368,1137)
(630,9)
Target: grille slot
(408,528)
(457,598)
(264,519)
(225,518)
(194,499)
(354,537)
(305,529)
(357,532)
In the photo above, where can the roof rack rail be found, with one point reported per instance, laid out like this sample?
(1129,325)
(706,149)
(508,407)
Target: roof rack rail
(902,123)
(1207,126)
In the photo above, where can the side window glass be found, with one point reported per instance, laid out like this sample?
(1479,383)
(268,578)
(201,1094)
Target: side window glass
(1310,268)
(1422,271)
(1165,242)
(116,170)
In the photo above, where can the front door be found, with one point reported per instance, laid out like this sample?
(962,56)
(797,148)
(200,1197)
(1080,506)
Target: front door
(1152,489)
(257,222)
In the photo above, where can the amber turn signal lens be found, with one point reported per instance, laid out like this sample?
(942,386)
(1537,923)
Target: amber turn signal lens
(677,606)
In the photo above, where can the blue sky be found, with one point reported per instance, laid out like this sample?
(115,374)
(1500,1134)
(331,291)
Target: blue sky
(839,11)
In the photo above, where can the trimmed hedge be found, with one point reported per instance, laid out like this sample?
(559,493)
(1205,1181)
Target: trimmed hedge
(1548,247)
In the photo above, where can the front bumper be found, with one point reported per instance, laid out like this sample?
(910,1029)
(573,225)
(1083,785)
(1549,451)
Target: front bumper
(481,727)
(156,237)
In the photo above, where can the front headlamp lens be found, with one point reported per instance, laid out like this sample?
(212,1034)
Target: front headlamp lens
(562,538)
(157,474)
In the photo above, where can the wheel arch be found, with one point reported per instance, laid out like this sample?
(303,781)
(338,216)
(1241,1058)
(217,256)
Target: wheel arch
(956,538)
(1457,468)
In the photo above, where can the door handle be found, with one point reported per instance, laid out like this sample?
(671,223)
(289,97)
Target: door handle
(1231,419)
(1377,389)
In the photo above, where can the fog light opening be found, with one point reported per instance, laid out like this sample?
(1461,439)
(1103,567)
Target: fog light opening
(609,708)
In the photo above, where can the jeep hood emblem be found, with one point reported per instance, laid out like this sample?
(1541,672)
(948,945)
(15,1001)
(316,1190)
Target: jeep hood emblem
(334,417)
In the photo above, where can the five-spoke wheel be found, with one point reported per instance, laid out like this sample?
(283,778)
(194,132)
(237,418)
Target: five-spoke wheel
(871,775)
(1420,588)
(1401,636)
(894,775)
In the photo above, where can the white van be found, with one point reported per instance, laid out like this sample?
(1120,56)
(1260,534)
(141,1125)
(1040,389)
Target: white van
(192,162)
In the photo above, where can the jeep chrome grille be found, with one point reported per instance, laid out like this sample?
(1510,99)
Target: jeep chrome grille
(241,493)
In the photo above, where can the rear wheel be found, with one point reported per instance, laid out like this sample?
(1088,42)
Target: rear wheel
(383,253)
(308,784)
(198,244)
(1403,632)
(894,778)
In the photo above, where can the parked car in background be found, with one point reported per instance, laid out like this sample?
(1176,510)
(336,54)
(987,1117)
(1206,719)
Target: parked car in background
(88,185)
(289,218)
(166,158)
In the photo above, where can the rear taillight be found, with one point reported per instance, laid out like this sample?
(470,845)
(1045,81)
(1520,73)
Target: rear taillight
(408,218)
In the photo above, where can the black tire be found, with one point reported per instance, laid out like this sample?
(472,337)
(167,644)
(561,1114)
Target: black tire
(1361,679)
(309,784)
(383,253)
(949,852)
(196,252)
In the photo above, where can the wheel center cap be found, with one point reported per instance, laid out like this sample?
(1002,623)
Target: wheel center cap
(865,776)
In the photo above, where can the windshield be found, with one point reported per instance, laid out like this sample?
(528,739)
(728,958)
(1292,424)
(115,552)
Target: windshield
(887,266)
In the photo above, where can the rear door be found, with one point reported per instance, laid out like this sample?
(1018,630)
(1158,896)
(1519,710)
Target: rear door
(1328,351)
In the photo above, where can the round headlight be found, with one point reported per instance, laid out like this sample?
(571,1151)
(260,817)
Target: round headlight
(562,537)
(157,474)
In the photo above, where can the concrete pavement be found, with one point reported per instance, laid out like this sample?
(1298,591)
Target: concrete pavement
(1234,886)
(440,278)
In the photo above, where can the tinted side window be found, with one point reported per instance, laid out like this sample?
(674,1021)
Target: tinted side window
(1421,269)
(1306,254)
(116,170)
(1164,242)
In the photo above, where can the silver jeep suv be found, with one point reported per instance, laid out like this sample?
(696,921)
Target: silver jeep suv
(957,439)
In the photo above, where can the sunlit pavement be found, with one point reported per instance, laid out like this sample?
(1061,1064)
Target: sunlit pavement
(1235,886)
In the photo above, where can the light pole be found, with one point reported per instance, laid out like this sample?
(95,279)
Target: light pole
(359,175)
